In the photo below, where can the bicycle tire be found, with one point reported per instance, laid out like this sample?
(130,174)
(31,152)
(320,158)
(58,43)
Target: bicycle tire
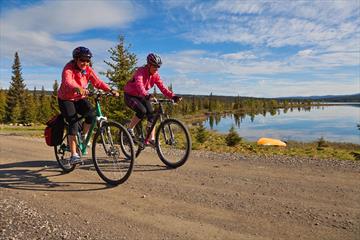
(110,165)
(173,150)
(139,138)
(63,154)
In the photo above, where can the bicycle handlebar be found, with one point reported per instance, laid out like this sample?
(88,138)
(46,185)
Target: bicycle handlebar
(159,101)
(98,93)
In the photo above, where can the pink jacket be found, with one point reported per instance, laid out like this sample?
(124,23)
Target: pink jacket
(142,81)
(73,78)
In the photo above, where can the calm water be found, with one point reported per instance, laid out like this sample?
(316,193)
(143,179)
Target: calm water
(334,123)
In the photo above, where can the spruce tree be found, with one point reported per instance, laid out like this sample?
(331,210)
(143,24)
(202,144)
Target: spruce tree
(28,111)
(15,96)
(44,112)
(53,101)
(122,66)
(201,134)
(2,105)
(232,138)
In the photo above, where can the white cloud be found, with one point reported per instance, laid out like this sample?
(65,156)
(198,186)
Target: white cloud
(59,17)
(33,31)
(240,55)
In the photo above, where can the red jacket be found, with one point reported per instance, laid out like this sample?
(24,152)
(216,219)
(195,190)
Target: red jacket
(142,81)
(72,78)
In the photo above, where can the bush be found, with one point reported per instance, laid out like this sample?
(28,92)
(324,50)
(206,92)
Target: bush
(201,134)
(321,144)
(233,137)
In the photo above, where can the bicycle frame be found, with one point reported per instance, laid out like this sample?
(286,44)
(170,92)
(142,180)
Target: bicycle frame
(99,117)
(159,115)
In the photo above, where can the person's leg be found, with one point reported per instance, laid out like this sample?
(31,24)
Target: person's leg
(150,118)
(84,108)
(140,110)
(67,109)
(134,121)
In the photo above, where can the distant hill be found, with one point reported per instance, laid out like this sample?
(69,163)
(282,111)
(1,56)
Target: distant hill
(329,98)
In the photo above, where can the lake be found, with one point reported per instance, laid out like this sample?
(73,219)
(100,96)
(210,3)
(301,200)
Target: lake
(333,123)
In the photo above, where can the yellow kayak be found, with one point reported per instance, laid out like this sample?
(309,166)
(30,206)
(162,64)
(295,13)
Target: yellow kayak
(271,142)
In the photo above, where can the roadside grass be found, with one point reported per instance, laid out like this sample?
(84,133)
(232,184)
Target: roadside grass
(216,142)
(32,131)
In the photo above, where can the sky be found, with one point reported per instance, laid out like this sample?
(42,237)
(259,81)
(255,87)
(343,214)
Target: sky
(224,47)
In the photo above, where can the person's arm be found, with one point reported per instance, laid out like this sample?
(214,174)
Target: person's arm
(159,83)
(139,84)
(68,80)
(97,82)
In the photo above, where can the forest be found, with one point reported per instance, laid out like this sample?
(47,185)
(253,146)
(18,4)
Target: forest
(20,105)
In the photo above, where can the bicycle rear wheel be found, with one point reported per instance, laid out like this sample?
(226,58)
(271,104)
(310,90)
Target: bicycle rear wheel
(111,164)
(173,143)
(138,142)
(62,154)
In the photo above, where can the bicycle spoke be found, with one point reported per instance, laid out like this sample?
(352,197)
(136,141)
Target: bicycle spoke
(113,166)
(173,143)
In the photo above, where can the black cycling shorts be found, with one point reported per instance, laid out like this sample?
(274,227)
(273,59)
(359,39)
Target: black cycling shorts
(71,109)
(141,106)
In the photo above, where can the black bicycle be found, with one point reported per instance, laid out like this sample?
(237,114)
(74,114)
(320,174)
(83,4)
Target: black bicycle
(111,165)
(172,139)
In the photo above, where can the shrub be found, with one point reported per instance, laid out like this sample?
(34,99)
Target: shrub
(232,138)
(201,134)
(321,144)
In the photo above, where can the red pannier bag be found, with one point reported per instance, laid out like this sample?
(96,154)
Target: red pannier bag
(54,130)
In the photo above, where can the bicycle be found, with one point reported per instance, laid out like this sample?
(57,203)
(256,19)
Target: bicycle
(113,167)
(172,139)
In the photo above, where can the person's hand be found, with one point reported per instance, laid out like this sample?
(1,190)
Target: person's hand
(114,92)
(82,91)
(176,99)
(149,97)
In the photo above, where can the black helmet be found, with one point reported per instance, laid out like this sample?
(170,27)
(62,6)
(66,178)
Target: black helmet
(81,52)
(154,60)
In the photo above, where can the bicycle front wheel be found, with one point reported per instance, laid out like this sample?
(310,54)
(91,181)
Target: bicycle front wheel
(111,164)
(173,143)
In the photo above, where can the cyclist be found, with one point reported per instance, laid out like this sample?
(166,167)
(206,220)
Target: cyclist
(72,95)
(138,98)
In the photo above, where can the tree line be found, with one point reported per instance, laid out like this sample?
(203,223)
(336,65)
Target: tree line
(19,105)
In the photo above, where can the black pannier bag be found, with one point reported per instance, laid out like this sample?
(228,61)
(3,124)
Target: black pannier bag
(54,130)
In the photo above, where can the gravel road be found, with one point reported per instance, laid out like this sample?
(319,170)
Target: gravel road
(213,196)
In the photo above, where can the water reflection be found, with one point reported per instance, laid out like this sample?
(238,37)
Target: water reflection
(334,123)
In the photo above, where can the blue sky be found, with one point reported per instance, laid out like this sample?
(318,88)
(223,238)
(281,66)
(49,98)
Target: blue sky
(247,48)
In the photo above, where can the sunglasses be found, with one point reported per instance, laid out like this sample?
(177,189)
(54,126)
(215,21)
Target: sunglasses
(84,60)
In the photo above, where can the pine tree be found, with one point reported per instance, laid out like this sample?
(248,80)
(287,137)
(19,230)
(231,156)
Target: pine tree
(29,111)
(193,104)
(122,66)
(2,105)
(210,102)
(44,112)
(201,134)
(232,138)
(15,95)
(53,101)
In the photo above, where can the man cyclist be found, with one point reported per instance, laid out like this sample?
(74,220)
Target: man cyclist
(72,95)
(138,98)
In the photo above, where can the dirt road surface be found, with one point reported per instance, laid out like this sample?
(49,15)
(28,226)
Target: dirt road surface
(213,196)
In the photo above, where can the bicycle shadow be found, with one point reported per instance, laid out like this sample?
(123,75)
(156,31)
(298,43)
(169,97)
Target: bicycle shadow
(149,168)
(21,176)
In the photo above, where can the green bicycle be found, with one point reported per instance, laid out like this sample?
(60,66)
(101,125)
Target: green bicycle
(111,165)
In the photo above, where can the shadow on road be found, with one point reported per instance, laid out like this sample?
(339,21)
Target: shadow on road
(40,175)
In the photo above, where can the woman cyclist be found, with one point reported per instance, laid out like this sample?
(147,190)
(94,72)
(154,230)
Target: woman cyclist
(138,98)
(72,95)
